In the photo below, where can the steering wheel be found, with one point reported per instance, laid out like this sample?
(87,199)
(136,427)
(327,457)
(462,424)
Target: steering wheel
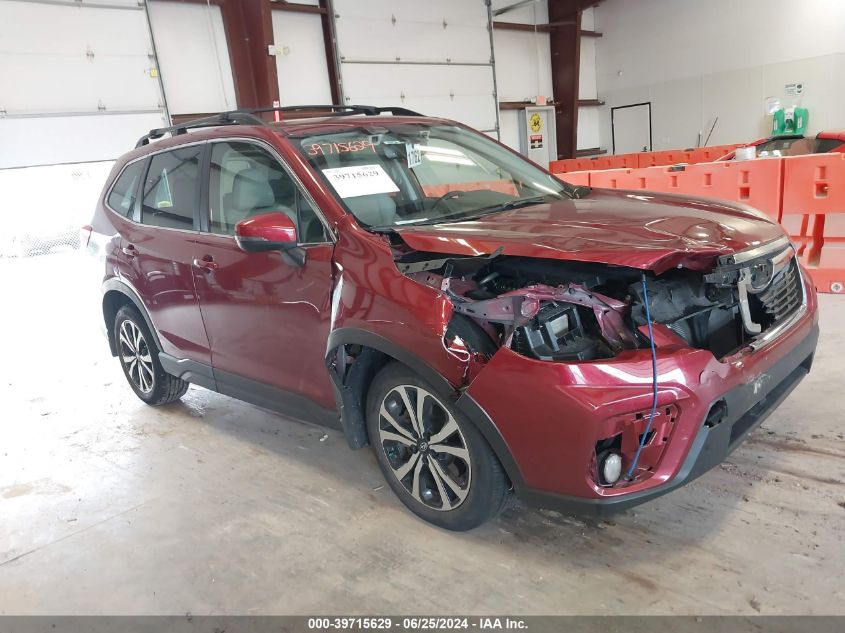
(447,196)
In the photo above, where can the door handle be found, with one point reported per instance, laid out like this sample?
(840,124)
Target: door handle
(206,263)
(129,250)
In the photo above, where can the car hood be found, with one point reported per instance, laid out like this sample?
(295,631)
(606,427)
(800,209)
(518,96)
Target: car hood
(625,228)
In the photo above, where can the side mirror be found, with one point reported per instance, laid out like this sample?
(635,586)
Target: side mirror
(270,232)
(266,232)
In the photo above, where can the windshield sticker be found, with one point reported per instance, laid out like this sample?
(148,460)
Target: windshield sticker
(344,147)
(360,180)
(414,155)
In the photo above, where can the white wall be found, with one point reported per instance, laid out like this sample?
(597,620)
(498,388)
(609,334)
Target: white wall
(695,60)
(523,63)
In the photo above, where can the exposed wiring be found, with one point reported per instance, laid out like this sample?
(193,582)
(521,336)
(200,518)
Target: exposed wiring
(653,382)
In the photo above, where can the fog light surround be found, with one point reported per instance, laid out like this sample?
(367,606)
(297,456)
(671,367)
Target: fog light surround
(610,467)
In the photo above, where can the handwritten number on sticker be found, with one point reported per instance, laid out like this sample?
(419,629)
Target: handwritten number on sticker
(326,149)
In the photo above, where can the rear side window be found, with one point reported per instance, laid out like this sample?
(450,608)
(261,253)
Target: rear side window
(171,189)
(125,190)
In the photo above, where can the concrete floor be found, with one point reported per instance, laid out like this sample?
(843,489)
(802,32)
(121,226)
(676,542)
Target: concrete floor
(212,506)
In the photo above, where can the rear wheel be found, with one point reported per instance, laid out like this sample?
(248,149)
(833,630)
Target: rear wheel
(436,462)
(138,357)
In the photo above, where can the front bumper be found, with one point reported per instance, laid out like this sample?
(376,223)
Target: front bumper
(747,406)
(550,415)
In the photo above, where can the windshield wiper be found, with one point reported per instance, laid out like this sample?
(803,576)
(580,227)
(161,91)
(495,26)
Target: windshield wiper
(581,191)
(468,217)
(524,202)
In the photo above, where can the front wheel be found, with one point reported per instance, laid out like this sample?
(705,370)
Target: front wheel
(138,356)
(437,463)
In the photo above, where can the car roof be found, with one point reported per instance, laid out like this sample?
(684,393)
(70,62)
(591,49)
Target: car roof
(188,132)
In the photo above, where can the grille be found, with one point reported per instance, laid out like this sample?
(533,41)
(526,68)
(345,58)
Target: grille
(784,295)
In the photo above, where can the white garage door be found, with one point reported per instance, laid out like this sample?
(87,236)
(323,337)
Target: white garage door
(433,57)
(197,77)
(75,81)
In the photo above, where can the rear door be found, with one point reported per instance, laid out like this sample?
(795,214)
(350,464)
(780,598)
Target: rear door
(267,319)
(157,250)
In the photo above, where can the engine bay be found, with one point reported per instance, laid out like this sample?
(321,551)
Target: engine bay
(570,311)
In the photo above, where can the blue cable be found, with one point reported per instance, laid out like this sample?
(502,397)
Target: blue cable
(653,380)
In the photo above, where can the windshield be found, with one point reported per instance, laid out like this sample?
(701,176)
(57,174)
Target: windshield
(414,173)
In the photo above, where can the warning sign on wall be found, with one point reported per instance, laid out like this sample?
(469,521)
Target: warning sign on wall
(537,133)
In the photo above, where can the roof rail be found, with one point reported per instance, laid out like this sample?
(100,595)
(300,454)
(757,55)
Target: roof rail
(344,110)
(248,117)
(234,117)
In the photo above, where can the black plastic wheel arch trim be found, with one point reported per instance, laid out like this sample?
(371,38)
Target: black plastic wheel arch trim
(115,285)
(352,415)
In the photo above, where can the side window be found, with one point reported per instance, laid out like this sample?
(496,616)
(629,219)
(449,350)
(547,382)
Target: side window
(125,190)
(171,189)
(311,230)
(247,180)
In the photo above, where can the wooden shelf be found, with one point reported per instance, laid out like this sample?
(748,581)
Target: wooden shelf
(589,102)
(587,33)
(519,105)
(295,7)
(592,151)
(516,26)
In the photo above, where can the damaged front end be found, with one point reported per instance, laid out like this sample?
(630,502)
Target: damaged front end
(576,311)
(570,338)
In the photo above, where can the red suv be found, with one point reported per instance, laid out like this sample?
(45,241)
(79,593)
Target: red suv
(487,328)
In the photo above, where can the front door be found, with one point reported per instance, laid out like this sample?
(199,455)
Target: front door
(267,319)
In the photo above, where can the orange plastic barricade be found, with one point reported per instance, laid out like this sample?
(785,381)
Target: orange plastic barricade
(814,183)
(668,157)
(651,178)
(647,159)
(563,166)
(501,186)
(758,183)
(831,256)
(708,154)
(615,162)
(814,215)
(607,162)
(576,177)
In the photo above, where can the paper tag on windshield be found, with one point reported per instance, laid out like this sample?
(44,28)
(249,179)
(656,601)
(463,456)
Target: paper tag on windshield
(414,155)
(360,180)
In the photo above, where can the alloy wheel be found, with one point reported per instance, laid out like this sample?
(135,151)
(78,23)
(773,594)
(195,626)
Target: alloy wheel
(135,356)
(425,447)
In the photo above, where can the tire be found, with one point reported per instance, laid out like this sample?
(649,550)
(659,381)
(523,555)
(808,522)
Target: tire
(450,457)
(138,356)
